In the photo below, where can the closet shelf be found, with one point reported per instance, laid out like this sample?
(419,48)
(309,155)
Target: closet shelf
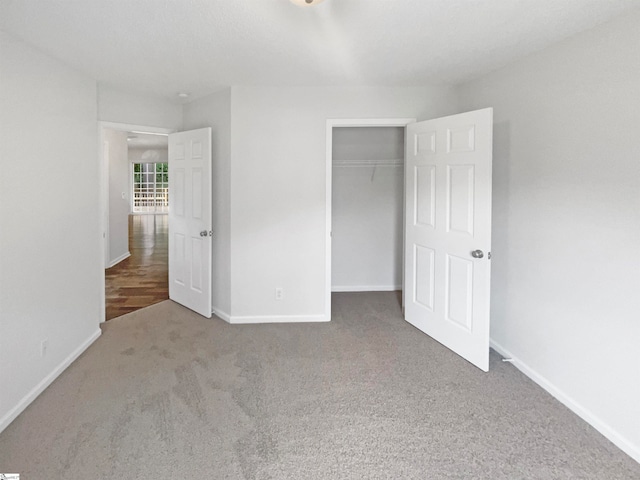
(394,162)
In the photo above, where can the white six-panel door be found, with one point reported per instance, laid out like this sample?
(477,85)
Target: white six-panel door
(448,231)
(190,219)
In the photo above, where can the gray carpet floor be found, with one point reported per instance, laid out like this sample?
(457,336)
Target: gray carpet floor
(165,393)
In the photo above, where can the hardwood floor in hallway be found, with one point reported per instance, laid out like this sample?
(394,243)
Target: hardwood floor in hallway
(143,278)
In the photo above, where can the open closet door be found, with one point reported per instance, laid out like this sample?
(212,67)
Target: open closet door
(448,231)
(190,219)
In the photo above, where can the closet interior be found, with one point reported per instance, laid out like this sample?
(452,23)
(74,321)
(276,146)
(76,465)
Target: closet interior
(367,208)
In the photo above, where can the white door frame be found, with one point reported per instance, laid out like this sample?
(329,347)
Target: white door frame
(347,122)
(104,194)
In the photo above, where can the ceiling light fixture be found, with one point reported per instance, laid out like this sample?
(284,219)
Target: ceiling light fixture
(306,3)
(183,95)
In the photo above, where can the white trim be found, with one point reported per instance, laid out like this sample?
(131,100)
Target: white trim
(344,122)
(103,189)
(616,438)
(328,217)
(221,314)
(116,261)
(40,387)
(128,127)
(370,122)
(366,288)
(255,319)
(278,319)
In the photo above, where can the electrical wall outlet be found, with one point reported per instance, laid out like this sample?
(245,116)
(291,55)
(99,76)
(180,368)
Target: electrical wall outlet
(279,293)
(44,346)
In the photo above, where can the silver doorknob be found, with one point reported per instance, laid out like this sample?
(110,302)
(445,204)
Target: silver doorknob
(477,254)
(205,233)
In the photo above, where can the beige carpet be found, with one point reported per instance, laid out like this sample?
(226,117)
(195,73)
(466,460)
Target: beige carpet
(165,393)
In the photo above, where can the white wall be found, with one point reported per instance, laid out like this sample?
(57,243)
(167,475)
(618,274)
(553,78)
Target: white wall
(215,111)
(142,155)
(51,253)
(119,171)
(367,207)
(136,109)
(566,249)
(278,188)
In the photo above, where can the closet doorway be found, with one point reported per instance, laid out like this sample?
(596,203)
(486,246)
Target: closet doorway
(365,196)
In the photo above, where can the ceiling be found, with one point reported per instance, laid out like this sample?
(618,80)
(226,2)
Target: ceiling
(164,47)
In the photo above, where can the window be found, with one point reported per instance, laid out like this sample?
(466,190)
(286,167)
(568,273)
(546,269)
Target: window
(150,188)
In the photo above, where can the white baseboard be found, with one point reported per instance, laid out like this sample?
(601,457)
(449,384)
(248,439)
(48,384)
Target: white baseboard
(366,288)
(40,387)
(254,319)
(221,314)
(122,257)
(618,440)
(278,319)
